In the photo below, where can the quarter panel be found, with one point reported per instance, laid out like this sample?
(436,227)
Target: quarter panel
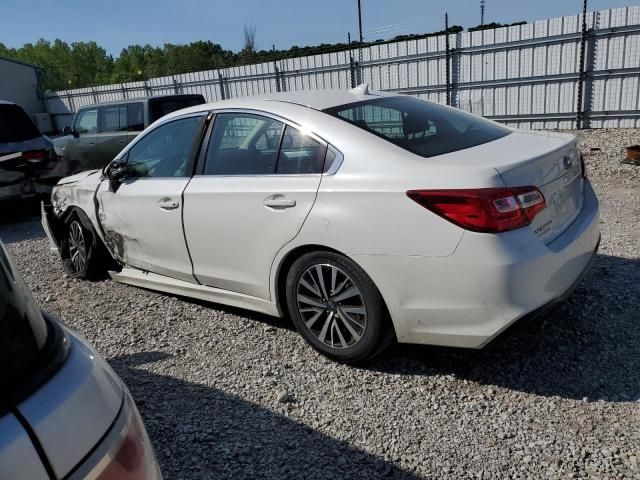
(366,215)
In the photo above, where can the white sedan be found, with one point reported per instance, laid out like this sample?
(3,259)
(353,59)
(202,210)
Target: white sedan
(363,216)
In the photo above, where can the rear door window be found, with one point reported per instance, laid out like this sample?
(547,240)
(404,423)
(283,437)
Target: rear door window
(135,117)
(243,144)
(113,118)
(424,128)
(299,153)
(15,125)
(86,121)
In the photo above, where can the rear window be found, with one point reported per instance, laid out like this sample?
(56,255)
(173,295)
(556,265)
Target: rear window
(424,128)
(23,331)
(162,106)
(15,125)
(31,348)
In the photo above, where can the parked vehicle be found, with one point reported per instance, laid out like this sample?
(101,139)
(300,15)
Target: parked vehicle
(28,164)
(63,412)
(363,216)
(99,132)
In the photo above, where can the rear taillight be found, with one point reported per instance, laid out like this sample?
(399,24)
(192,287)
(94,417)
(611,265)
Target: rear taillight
(583,166)
(35,155)
(132,456)
(490,210)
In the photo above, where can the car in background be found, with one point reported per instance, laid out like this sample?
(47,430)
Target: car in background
(63,411)
(28,163)
(364,216)
(100,131)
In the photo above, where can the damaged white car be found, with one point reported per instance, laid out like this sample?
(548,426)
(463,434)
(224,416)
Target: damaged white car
(365,217)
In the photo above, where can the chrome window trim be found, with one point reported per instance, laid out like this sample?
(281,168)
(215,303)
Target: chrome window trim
(337,163)
(274,116)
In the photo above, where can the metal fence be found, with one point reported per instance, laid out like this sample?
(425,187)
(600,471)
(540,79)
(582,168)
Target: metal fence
(554,73)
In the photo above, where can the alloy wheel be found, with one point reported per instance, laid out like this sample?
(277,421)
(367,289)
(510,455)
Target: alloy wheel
(331,306)
(77,247)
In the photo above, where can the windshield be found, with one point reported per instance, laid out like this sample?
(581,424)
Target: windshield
(424,128)
(15,125)
(162,106)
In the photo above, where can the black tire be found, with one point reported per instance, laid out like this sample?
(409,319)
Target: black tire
(81,254)
(349,329)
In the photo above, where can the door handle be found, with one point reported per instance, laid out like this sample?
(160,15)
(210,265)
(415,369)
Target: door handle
(278,202)
(168,204)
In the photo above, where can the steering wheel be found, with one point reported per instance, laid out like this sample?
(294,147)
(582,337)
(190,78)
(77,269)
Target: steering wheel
(169,166)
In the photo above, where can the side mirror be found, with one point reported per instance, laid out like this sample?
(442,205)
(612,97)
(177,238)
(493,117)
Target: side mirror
(67,130)
(117,171)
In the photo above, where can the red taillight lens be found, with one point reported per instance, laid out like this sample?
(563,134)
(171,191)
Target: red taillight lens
(490,210)
(35,155)
(132,457)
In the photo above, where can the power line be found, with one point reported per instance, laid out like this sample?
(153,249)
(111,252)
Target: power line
(398,25)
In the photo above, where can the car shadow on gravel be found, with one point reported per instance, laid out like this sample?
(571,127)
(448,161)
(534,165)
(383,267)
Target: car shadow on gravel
(588,348)
(203,432)
(20,220)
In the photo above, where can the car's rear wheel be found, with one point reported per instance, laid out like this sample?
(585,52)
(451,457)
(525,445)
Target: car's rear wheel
(336,307)
(81,255)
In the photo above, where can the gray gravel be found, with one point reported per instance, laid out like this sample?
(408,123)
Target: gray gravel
(230,394)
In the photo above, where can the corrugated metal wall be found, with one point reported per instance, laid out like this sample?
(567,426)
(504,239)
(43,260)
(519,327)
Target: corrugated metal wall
(525,75)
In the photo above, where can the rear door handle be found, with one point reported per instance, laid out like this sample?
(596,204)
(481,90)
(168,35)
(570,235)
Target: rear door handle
(168,204)
(279,202)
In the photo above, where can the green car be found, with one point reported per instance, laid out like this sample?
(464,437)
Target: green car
(99,132)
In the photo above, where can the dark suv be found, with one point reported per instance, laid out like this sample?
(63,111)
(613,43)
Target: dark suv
(28,164)
(99,132)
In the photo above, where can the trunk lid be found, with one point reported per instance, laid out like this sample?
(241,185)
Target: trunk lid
(551,162)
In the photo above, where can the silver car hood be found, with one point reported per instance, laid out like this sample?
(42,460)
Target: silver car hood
(78,177)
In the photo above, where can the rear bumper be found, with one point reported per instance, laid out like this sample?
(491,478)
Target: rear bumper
(489,282)
(24,189)
(32,180)
(530,318)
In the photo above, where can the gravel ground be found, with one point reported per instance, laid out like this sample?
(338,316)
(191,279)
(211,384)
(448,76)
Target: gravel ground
(230,394)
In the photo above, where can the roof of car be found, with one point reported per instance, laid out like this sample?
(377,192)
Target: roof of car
(311,99)
(323,99)
(315,99)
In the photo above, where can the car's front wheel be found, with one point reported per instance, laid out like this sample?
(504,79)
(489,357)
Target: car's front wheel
(336,307)
(81,255)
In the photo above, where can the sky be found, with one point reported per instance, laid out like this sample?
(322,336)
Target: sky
(115,24)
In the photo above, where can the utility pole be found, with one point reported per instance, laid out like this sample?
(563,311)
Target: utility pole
(447,58)
(482,5)
(360,20)
(583,75)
